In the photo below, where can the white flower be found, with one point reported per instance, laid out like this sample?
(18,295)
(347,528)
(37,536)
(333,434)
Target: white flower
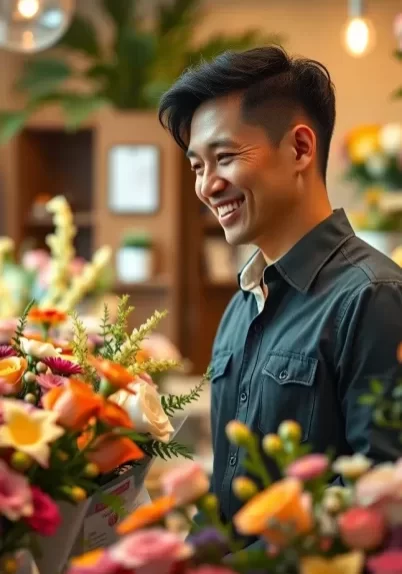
(145,410)
(38,349)
(376,164)
(352,467)
(390,137)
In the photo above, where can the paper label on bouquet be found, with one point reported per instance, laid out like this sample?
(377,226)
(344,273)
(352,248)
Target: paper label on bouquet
(99,525)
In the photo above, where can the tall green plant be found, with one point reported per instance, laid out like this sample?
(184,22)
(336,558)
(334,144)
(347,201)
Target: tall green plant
(131,73)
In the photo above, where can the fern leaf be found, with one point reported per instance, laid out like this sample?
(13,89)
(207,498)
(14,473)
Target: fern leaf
(167,450)
(19,332)
(125,355)
(172,403)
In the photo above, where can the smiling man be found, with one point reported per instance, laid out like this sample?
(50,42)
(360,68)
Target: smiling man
(318,313)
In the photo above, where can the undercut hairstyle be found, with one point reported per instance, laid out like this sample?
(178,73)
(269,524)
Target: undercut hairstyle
(275,87)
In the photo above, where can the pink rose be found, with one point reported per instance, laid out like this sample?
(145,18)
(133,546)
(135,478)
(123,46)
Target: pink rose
(7,330)
(308,467)
(362,528)
(149,551)
(15,494)
(381,488)
(187,483)
(95,562)
(161,348)
(46,516)
(389,562)
(35,259)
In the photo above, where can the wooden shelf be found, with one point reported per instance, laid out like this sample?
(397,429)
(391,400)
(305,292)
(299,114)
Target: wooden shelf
(81,219)
(156,284)
(221,285)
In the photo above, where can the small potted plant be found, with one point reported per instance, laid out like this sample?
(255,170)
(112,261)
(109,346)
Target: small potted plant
(134,258)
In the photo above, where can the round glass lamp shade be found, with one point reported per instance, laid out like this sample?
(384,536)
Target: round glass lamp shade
(33,25)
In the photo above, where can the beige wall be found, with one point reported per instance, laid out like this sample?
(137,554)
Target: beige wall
(312,28)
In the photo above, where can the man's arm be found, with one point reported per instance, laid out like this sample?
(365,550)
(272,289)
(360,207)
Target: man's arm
(369,332)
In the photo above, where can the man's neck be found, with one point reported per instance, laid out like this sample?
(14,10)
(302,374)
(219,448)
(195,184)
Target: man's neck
(291,229)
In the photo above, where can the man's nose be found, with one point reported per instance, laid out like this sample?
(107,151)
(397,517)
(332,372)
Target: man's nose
(211,184)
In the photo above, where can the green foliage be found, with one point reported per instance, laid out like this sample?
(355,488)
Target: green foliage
(80,349)
(387,410)
(131,73)
(19,332)
(166,450)
(126,355)
(172,403)
(137,240)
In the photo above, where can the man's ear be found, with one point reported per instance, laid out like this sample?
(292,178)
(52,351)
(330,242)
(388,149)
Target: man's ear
(304,143)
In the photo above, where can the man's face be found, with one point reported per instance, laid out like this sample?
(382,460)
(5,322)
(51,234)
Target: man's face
(246,180)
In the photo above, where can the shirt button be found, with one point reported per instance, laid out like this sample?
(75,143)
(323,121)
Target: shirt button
(243,397)
(232,460)
(283,375)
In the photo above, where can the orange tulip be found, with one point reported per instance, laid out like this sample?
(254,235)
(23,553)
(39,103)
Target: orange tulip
(11,371)
(75,402)
(117,375)
(109,452)
(147,514)
(47,316)
(283,504)
(113,415)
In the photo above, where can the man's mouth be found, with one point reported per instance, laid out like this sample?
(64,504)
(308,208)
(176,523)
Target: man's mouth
(229,208)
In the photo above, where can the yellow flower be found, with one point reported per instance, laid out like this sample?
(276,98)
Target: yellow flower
(244,488)
(272,444)
(28,430)
(350,563)
(290,431)
(238,433)
(363,142)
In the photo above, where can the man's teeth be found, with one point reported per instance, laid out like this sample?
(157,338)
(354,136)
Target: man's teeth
(228,208)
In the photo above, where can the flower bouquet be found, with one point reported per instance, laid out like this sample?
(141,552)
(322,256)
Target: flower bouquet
(372,156)
(77,424)
(303,524)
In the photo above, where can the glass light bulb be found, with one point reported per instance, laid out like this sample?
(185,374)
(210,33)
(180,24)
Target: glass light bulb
(33,25)
(358,36)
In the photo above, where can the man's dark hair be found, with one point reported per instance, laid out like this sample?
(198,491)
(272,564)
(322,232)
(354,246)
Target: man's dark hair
(275,87)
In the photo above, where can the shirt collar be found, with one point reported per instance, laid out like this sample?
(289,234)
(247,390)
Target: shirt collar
(301,265)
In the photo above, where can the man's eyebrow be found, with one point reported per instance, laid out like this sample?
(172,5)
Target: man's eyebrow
(212,145)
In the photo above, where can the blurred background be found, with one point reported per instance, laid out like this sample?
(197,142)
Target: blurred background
(80,83)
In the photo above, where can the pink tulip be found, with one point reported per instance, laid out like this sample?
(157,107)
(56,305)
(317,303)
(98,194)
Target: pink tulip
(362,528)
(389,562)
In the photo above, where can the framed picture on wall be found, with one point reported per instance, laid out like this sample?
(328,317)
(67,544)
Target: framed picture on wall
(134,179)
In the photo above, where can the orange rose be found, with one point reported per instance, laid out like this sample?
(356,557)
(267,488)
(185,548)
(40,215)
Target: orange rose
(114,373)
(109,452)
(75,402)
(283,504)
(147,514)
(11,371)
(114,416)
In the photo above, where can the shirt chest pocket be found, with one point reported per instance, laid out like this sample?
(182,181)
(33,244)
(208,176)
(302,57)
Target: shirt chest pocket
(287,391)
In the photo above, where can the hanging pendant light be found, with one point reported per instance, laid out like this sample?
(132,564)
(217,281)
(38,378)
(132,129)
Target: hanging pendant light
(358,34)
(33,25)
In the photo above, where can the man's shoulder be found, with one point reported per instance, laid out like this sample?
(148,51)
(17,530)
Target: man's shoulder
(365,266)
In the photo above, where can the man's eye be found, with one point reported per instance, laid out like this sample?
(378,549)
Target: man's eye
(196,167)
(224,157)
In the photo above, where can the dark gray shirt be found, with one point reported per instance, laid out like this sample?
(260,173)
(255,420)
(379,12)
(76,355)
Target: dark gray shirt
(332,321)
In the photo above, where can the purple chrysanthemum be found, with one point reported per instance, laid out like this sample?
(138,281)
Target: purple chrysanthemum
(62,367)
(7,351)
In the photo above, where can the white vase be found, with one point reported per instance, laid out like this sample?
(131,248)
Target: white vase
(384,241)
(134,264)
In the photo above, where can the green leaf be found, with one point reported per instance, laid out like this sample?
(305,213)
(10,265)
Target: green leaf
(376,387)
(81,36)
(120,11)
(78,108)
(180,14)
(11,123)
(114,502)
(39,77)
(367,400)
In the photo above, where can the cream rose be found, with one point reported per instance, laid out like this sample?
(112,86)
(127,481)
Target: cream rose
(38,349)
(145,410)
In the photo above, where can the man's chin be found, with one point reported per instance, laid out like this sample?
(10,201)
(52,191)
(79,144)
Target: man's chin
(236,237)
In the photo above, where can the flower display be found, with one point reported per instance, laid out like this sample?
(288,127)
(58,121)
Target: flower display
(186,483)
(373,157)
(63,434)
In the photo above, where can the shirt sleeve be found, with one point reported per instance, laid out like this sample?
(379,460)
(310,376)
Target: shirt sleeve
(369,333)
